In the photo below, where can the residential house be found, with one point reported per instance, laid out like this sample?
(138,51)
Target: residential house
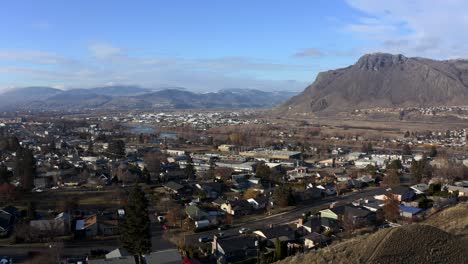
(329,224)
(240,183)
(226,148)
(117,253)
(6,223)
(87,227)
(43,182)
(195,213)
(311,193)
(362,163)
(107,227)
(420,188)
(237,207)
(334,212)
(247,167)
(235,249)
(259,202)
(219,201)
(401,193)
(121,260)
(341,213)
(169,256)
(408,211)
(370,204)
(312,224)
(173,187)
(211,189)
(254,180)
(50,227)
(353,156)
(315,240)
(299,174)
(366,179)
(462,191)
(12,210)
(283,233)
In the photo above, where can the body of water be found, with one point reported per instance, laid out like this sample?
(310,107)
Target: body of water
(148,129)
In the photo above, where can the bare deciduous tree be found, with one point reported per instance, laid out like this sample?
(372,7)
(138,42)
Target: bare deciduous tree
(391,209)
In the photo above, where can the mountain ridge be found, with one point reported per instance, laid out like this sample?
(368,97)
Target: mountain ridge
(384,80)
(134,97)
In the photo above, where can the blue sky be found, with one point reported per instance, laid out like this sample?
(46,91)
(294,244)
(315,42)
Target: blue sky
(211,45)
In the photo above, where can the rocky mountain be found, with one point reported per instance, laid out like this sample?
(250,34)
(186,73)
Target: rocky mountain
(133,97)
(384,80)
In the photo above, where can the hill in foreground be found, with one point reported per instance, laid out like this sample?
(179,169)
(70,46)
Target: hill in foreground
(384,80)
(416,243)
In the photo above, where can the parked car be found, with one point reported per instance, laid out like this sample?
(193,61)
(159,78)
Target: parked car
(165,227)
(244,230)
(221,235)
(205,239)
(224,227)
(385,226)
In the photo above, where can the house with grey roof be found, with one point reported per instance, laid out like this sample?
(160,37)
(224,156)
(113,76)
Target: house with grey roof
(169,256)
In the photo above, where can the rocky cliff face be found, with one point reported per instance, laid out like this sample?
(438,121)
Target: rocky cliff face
(384,80)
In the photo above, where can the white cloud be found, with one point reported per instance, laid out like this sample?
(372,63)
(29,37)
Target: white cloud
(40,57)
(416,28)
(109,64)
(310,52)
(104,50)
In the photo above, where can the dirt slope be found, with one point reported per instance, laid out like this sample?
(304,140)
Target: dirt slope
(416,243)
(453,220)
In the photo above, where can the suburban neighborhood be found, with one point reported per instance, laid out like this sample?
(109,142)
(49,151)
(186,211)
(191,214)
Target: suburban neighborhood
(68,184)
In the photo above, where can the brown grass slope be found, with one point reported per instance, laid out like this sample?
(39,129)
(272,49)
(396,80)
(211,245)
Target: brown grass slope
(453,220)
(415,243)
(384,80)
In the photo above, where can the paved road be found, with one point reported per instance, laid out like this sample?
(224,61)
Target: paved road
(287,217)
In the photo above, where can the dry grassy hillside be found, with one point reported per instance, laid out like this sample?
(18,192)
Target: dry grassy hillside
(416,243)
(453,220)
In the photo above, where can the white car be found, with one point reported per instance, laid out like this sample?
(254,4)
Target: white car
(244,230)
(39,190)
(54,188)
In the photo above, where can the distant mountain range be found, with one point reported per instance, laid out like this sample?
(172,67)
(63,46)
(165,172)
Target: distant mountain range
(134,97)
(384,80)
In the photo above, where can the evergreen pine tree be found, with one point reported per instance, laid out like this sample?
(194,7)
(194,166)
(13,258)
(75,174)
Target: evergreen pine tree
(90,147)
(31,211)
(211,170)
(189,169)
(25,168)
(433,152)
(5,175)
(135,235)
(146,175)
(116,149)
